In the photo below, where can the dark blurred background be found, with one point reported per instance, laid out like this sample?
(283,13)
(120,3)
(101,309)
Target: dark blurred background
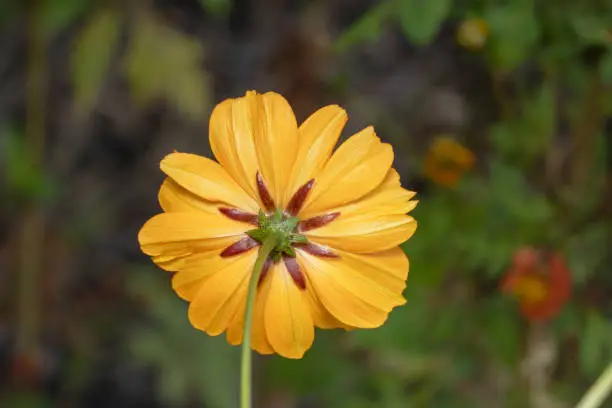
(499,113)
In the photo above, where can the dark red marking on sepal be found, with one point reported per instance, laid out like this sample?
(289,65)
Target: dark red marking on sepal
(298,199)
(293,267)
(317,250)
(264,270)
(264,194)
(245,244)
(318,221)
(239,215)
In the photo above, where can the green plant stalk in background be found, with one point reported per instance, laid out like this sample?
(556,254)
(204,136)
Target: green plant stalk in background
(269,243)
(33,226)
(599,391)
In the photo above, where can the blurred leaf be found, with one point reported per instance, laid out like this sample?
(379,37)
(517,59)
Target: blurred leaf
(190,362)
(501,329)
(514,32)
(391,389)
(592,29)
(476,222)
(8,9)
(606,67)
(397,333)
(422,248)
(539,115)
(510,189)
(217,7)
(367,29)
(450,398)
(595,343)
(526,138)
(355,401)
(421,19)
(496,216)
(57,14)
(306,375)
(504,136)
(163,63)
(414,340)
(567,323)
(23,399)
(91,56)
(481,253)
(26,178)
(588,250)
(562,44)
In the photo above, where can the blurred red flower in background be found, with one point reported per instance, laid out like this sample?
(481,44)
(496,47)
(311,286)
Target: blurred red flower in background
(540,280)
(447,161)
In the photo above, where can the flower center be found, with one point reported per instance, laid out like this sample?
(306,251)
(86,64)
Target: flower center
(283,227)
(449,163)
(531,289)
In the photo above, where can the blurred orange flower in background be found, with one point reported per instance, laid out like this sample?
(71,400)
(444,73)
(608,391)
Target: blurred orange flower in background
(472,34)
(446,161)
(341,216)
(541,282)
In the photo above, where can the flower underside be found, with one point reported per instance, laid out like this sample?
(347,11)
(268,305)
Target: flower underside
(317,224)
(285,226)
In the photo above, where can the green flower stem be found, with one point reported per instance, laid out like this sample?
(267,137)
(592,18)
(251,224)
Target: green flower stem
(598,391)
(269,243)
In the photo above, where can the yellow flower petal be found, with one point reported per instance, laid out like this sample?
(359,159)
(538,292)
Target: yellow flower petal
(289,325)
(207,179)
(219,297)
(358,290)
(276,141)
(388,198)
(318,136)
(372,235)
(193,271)
(320,315)
(375,222)
(187,228)
(174,256)
(259,341)
(174,198)
(358,166)
(187,285)
(232,141)
(172,239)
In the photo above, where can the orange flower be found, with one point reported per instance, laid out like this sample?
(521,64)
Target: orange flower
(472,34)
(540,281)
(341,217)
(446,161)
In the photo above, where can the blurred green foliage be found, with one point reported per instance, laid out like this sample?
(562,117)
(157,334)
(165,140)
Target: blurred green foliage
(469,234)
(57,14)
(217,7)
(23,175)
(92,55)
(176,78)
(420,20)
(190,364)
